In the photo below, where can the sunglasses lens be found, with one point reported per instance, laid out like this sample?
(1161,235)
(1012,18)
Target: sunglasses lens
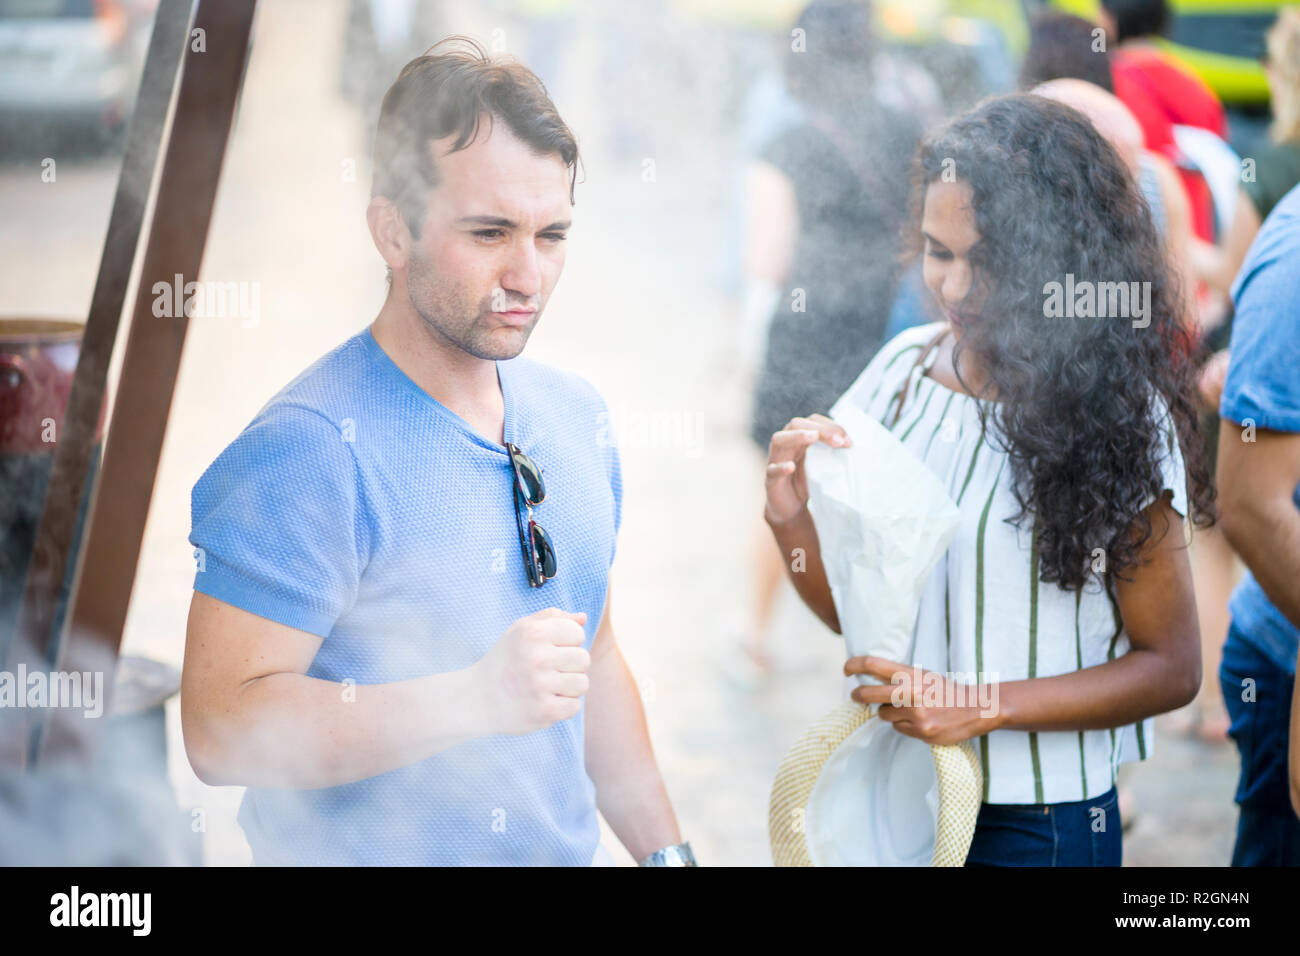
(530,478)
(545,552)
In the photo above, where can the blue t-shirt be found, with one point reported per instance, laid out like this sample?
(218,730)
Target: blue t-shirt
(1263,387)
(358,508)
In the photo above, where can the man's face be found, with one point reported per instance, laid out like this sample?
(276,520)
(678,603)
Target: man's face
(492,243)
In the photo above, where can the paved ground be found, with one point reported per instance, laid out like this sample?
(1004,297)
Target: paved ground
(639,313)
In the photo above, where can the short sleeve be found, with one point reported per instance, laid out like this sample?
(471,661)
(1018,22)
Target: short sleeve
(1262,385)
(614,472)
(1173,468)
(278,521)
(615,469)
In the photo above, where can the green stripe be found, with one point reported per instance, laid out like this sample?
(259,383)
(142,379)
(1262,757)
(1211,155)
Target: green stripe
(917,420)
(947,614)
(971,470)
(888,365)
(943,417)
(979,611)
(1078,654)
(1033,656)
(1119,623)
(1110,656)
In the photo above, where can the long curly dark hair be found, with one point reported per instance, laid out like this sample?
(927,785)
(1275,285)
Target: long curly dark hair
(1075,411)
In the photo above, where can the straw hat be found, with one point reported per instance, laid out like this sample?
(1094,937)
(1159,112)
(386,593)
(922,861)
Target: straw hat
(855,792)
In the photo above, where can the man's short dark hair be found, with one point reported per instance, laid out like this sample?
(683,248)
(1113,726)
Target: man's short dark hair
(1137,18)
(1060,47)
(447,93)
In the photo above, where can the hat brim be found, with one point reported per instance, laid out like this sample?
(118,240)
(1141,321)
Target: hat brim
(803,833)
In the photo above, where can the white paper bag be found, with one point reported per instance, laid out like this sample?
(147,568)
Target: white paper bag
(883,519)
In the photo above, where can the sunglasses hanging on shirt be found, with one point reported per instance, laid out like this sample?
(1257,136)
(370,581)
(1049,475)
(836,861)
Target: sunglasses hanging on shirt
(534,542)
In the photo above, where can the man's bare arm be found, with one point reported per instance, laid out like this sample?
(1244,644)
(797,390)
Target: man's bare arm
(1257,482)
(620,761)
(251,717)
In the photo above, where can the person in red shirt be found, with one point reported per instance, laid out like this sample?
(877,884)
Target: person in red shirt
(1162,93)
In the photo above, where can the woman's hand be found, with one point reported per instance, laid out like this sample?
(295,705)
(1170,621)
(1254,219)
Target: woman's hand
(925,704)
(787,483)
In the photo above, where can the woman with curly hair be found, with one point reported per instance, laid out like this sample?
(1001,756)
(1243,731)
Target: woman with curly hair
(1066,434)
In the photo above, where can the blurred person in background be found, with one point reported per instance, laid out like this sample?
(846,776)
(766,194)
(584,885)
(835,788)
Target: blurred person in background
(379,37)
(1155,177)
(1276,162)
(827,199)
(1070,447)
(1259,487)
(1162,93)
(1062,47)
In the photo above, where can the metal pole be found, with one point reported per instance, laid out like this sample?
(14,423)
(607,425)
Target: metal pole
(101,591)
(77,443)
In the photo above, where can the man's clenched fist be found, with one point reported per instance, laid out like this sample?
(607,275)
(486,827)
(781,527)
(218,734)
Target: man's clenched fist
(536,673)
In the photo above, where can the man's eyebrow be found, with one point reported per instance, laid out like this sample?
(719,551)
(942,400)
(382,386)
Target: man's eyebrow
(933,241)
(500,222)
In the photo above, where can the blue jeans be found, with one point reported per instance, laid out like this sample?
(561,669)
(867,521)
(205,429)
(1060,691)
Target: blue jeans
(1268,831)
(1082,833)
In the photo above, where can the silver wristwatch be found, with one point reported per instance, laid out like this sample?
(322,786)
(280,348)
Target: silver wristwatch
(679,855)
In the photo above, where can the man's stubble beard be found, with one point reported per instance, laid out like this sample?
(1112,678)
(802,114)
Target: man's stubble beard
(437,305)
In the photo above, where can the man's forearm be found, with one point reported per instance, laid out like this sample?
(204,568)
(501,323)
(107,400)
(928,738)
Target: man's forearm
(630,791)
(1266,533)
(292,731)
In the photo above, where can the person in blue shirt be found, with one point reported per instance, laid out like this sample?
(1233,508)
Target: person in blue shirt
(1259,488)
(400,636)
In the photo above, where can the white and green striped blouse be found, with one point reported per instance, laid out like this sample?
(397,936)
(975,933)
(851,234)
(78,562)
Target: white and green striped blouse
(984,609)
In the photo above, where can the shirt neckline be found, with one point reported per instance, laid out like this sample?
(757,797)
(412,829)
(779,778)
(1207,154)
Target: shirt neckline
(928,364)
(504,371)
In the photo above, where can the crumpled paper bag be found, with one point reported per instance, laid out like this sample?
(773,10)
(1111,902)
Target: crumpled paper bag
(883,519)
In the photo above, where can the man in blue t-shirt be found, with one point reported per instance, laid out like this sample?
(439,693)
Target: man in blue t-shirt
(1259,488)
(400,636)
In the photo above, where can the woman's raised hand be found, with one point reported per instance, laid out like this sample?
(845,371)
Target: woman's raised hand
(787,484)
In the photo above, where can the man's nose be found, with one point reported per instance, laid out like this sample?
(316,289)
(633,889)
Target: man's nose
(523,276)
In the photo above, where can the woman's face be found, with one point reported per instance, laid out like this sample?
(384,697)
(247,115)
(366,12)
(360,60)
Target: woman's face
(948,227)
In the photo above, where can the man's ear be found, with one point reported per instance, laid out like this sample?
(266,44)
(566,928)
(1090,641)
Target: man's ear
(388,230)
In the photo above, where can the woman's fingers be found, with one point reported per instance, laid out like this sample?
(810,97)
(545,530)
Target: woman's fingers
(790,444)
(829,431)
(872,693)
(786,491)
